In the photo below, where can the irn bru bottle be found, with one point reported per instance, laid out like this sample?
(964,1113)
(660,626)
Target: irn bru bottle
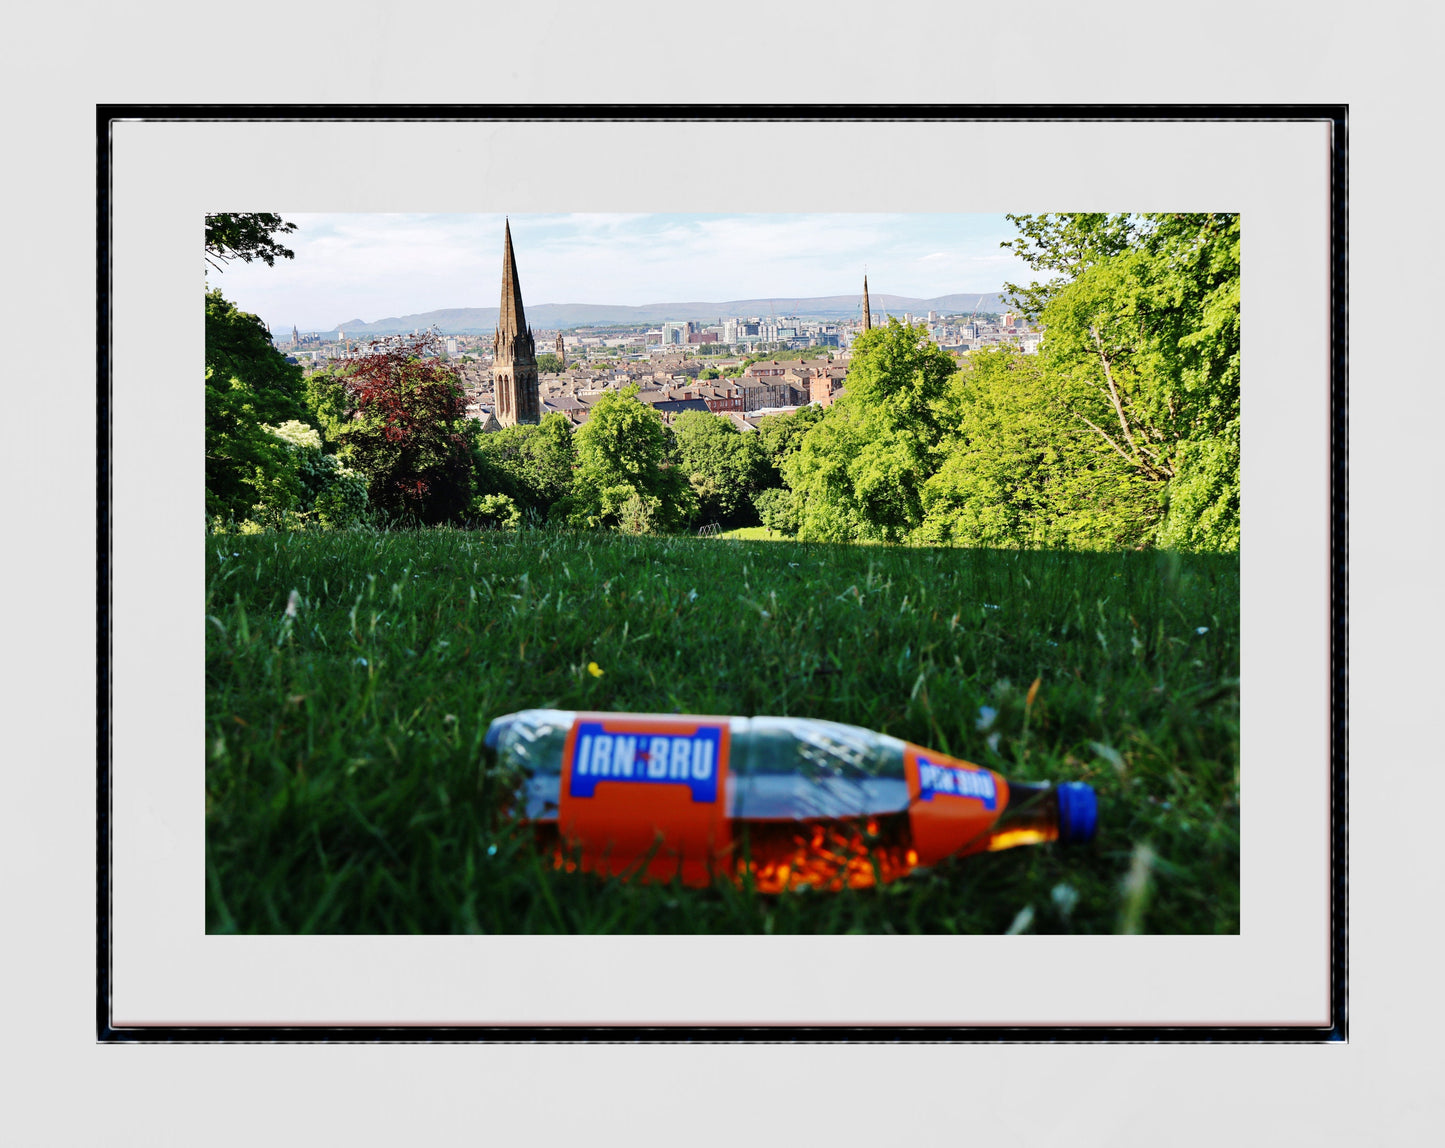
(776,801)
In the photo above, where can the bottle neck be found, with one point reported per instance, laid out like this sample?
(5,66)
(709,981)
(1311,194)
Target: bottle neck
(1032,816)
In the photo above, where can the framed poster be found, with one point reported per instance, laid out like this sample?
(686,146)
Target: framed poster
(1279,975)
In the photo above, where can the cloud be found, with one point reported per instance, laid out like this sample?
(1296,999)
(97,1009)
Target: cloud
(374,266)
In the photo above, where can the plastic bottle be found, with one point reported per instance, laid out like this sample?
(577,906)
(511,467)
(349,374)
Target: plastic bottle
(772,801)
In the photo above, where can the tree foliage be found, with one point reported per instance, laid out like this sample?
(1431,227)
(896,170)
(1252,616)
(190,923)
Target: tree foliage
(777,509)
(246,236)
(860,471)
(248,384)
(624,476)
(1018,472)
(1142,346)
(398,416)
(531,464)
(723,466)
(548,364)
(780,435)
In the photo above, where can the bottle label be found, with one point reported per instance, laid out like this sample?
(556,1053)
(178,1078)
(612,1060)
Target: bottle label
(955,780)
(635,787)
(953,804)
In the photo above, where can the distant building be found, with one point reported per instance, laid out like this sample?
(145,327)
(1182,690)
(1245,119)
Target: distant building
(514,350)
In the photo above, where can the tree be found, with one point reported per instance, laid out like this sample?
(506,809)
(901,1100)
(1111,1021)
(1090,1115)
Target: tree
(1142,345)
(248,384)
(780,435)
(1019,472)
(548,364)
(624,477)
(398,416)
(532,465)
(496,511)
(723,465)
(246,236)
(238,344)
(330,494)
(777,509)
(1067,245)
(860,471)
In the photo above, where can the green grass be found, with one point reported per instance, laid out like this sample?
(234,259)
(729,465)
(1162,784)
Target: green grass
(347,789)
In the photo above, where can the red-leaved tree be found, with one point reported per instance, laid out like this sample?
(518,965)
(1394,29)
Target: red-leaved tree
(398,415)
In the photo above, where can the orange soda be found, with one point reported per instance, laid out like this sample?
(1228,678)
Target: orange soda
(771,802)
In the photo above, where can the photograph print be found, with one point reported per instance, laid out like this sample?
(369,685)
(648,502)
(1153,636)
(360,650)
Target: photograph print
(722,573)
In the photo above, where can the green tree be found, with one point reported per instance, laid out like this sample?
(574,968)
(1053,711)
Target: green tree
(1142,345)
(780,435)
(330,494)
(777,509)
(248,384)
(1064,245)
(532,465)
(723,465)
(496,511)
(238,345)
(1019,472)
(860,471)
(624,476)
(548,364)
(246,236)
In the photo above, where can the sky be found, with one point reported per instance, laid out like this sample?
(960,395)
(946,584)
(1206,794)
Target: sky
(370,267)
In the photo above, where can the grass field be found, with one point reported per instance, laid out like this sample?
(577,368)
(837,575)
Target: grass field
(350,678)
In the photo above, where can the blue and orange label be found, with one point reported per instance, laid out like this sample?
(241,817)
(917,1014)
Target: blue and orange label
(635,787)
(690,758)
(952,804)
(939,774)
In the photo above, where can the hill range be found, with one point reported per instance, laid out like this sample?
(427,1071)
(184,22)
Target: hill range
(561,316)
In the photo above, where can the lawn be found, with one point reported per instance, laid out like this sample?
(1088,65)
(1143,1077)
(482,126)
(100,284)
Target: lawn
(351,676)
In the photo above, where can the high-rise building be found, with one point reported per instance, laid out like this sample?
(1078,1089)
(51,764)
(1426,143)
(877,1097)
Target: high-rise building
(514,350)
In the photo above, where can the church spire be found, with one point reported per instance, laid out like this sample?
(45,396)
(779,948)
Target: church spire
(514,353)
(512,321)
(867,315)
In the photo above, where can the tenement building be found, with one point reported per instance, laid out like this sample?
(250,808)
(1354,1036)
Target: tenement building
(514,351)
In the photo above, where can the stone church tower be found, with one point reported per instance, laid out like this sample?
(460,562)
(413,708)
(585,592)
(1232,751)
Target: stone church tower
(561,351)
(867,316)
(514,351)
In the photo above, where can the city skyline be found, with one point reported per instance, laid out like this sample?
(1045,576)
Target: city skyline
(372,266)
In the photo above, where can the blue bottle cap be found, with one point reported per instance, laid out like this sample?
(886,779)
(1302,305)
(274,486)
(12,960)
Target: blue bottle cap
(495,731)
(1078,812)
